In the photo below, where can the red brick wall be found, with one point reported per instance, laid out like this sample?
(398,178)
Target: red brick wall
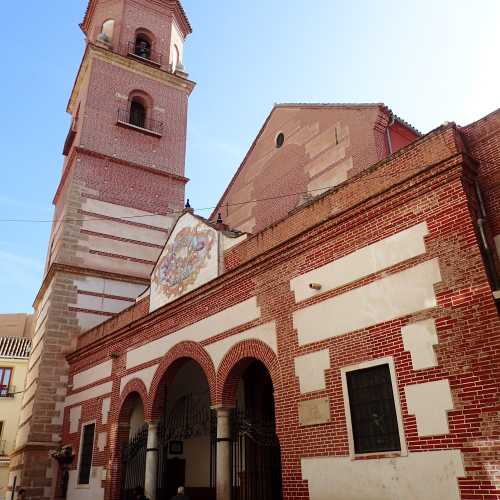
(430,182)
(482,139)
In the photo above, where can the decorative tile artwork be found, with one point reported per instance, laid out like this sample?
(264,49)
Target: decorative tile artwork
(183,260)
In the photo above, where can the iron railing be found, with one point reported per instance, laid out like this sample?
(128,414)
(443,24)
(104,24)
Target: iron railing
(15,347)
(149,124)
(144,53)
(7,391)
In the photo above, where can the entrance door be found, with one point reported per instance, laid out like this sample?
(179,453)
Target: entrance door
(175,475)
(256,459)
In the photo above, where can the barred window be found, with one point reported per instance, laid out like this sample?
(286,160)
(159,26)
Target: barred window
(373,411)
(86,454)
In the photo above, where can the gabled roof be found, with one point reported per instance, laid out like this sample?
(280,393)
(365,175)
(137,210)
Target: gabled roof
(176,4)
(302,105)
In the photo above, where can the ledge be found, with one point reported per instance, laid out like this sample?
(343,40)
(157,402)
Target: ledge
(146,131)
(144,60)
(496,294)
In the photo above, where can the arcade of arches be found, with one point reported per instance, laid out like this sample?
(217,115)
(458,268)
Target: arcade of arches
(225,452)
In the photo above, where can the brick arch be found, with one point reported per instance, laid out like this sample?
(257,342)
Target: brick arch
(235,363)
(168,368)
(135,386)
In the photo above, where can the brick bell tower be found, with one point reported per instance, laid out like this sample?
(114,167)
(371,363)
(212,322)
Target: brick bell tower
(121,184)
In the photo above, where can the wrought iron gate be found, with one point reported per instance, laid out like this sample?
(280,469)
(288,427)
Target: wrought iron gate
(256,469)
(190,418)
(134,464)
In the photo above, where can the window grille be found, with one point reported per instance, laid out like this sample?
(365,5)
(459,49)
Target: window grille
(86,454)
(373,412)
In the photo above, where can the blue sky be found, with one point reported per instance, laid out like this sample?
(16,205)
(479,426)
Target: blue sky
(430,61)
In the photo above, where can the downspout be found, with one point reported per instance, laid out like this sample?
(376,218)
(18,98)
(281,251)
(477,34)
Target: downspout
(481,222)
(392,119)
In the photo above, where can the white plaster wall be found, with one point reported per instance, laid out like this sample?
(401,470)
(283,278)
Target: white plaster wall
(136,419)
(265,333)
(106,406)
(145,375)
(361,263)
(124,230)
(383,300)
(310,369)
(231,242)
(178,40)
(108,287)
(418,476)
(126,213)
(92,491)
(208,271)
(75,414)
(87,321)
(430,403)
(10,408)
(102,441)
(335,175)
(92,375)
(419,339)
(92,393)
(227,319)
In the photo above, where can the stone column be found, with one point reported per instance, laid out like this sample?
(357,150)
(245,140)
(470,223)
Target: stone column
(151,474)
(223,454)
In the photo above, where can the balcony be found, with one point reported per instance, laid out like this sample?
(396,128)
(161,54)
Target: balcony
(15,347)
(142,124)
(144,53)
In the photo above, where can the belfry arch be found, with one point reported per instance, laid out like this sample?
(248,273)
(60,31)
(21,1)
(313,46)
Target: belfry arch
(131,444)
(186,446)
(247,391)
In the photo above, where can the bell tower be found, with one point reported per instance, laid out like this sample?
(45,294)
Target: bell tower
(121,185)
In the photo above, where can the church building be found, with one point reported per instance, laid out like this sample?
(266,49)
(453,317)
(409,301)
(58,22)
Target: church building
(330,332)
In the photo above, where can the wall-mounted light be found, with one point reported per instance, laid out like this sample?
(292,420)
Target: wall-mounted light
(315,286)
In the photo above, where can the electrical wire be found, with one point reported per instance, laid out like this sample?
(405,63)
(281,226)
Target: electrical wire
(227,205)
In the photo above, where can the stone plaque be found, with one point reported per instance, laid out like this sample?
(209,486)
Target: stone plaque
(316,411)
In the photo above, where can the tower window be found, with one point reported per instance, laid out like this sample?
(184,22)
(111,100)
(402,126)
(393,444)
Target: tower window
(142,47)
(373,410)
(137,113)
(280,140)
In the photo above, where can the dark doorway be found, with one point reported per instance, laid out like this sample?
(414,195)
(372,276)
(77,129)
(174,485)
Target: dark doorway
(175,475)
(137,113)
(256,471)
(187,438)
(142,47)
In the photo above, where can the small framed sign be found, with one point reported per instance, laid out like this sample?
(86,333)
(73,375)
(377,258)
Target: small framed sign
(176,448)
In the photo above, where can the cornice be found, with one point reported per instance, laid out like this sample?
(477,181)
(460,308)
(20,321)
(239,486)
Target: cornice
(56,267)
(160,75)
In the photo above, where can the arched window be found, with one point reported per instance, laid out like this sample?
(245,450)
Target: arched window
(108,28)
(137,113)
(142,46)
(175,58)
